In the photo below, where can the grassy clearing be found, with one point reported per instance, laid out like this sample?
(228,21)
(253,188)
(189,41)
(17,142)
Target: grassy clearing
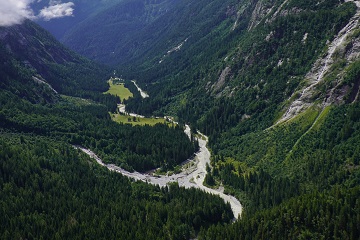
(118,89)
(120,118)
(321,119)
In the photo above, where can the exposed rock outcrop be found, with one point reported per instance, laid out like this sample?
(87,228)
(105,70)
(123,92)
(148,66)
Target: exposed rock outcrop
(221,81)
(305,97)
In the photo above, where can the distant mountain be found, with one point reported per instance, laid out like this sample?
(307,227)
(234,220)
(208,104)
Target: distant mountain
(82,10)
(51,99)
(36,53)
(274,84)
(117,33)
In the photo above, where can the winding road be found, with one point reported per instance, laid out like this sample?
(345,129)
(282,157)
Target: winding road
(192,174)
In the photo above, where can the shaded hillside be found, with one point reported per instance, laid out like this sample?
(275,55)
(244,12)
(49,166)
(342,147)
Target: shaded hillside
(82,10)
(111,36)
(48,189)
(251,70)
(33,51)
(38,69)
(273,83)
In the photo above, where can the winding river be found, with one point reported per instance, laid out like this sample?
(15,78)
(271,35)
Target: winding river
(192,174)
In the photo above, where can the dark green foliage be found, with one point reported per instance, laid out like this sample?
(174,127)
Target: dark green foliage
(259,190)
(289,170)
(50,191)
(263,73)
(209,179)
(31,51)
(140,148)
(41,56)
(322,179)
(352,78)
(328,155)
(281,164)
(297,180)
(331,214)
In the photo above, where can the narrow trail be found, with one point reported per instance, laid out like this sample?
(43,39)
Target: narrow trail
(192,175)
(305,133)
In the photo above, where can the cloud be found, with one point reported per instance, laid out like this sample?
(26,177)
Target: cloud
(57,10)
(15,11)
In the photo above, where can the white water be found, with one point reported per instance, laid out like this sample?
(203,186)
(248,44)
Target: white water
(36,79)
(320,68)
(122,109)
(192,175)
(142,93)
(175,49)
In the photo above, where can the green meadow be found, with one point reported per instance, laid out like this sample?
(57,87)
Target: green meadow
(120,118)
(118,89)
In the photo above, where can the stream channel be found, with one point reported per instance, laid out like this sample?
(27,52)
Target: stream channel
(192,173)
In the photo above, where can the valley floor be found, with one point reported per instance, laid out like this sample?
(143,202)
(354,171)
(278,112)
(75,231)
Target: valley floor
(192,175)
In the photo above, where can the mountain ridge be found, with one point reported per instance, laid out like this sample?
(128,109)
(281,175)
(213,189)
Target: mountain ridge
(120,21)
(322,66)
(36,50)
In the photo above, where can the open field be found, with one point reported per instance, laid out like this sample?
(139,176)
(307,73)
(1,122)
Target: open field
(120,118)
(119,90)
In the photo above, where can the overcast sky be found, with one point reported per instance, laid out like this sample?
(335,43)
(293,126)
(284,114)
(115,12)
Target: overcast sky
(15,11)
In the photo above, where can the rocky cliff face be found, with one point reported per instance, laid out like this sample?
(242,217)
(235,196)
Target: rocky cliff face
(325,80)
(36,54)
(34,45)
(263,9)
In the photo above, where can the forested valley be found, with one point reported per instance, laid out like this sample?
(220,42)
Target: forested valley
(274,84)
(298,179)
(50,190)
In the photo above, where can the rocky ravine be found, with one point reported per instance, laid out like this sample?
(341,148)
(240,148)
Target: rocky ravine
(321,68)
(142,93)
(192,175)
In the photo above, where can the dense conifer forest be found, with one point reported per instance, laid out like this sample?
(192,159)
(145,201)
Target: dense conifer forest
(231,70)
(50,190)
(298,179)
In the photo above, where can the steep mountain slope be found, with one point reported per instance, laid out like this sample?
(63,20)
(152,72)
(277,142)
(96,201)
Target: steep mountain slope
(276,88)
(83,9)
(255,66)
(111,36)
(51,190)
(34,51)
